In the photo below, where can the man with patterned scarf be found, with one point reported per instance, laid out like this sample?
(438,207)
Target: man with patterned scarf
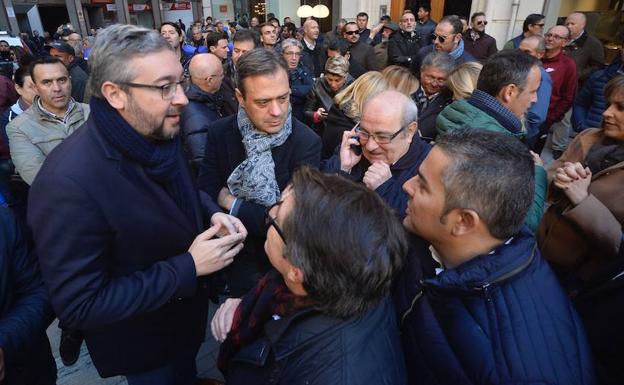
(448,38)
(119,225)
(251,156)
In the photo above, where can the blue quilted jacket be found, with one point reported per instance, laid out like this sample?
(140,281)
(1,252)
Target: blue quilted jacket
(500,318)
(590,102)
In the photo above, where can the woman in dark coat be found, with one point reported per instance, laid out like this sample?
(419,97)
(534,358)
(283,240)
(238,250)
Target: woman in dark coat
(320,101)
(322,316)
(299,76)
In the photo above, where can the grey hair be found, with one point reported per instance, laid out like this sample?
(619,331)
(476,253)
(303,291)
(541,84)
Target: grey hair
(491,173)
(440,60)
(541,43)
(291,43)
(409,110)
(115,46)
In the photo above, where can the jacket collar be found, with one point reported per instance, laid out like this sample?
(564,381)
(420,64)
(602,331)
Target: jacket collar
(418,149)
(197,94)
(495,109)
(503,263)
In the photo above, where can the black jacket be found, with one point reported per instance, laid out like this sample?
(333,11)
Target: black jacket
(227,90)
(364,55)
(113,248)
(403,48)
(314,59)
(402,170)
(320,96)
(427,116)
(337,122)
(312,349)
(79,80)
(25,312)
(224,152)
(203,109)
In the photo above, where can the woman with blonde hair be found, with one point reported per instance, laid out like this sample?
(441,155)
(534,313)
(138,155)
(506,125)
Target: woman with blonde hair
(347,108)
(463,80)
(401,79)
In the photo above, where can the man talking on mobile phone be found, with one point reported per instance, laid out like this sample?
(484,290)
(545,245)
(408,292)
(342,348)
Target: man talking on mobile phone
(383,150)
(119,225)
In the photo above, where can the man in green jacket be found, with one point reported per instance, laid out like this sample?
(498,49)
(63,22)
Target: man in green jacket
(506,88)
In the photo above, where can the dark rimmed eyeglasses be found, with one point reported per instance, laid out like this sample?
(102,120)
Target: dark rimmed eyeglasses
(379,138)
(168,90)
(270,221)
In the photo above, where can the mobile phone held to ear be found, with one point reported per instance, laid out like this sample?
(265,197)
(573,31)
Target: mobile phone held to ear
(356,148)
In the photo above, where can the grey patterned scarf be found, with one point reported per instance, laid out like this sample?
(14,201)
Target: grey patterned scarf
(254,179)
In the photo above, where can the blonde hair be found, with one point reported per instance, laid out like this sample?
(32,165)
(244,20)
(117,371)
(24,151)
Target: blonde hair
(463,79)
(351,99)
(401,79)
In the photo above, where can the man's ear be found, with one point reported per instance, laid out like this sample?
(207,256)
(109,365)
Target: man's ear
(295,275)
(465,221)
(507,93)
(115,96)
(239,96)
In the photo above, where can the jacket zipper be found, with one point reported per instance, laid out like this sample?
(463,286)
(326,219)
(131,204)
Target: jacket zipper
(485,285)
(409,310)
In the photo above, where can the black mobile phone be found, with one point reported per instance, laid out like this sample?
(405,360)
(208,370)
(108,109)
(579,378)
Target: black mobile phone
(356,148)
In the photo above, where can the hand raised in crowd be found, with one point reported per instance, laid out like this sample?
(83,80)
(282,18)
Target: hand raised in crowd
(321,114)
(348,158)
(222,321)
(536,159)
(225,198)
(376,175)
(213,254)
(229,224)
(574,180)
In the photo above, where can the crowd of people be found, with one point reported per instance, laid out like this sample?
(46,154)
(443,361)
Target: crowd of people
(400,204)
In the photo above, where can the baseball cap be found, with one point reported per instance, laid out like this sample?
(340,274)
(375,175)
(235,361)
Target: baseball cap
(62,47)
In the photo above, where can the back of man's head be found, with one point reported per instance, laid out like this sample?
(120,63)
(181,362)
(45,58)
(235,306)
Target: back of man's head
(454,21)
(504,68)
(114,49)
(203,69)
(491,173)
(340,45)
(258,62)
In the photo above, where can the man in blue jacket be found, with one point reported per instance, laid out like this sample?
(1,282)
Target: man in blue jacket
(495,312)
(118,224)
(25,313)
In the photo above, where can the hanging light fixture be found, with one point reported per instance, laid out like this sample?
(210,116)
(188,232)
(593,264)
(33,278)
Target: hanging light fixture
(320,11)
(304,11)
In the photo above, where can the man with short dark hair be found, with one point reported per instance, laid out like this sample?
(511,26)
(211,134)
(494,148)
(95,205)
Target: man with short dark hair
(361,52)
(384,150)
(79,78)
(244,40)
(313,55)
(563,73)
(404,45)
(250,156)
(174,35)
(536,114)
(268,36)
(493,311)
(340,47)
(362,25)
(205,104)
(425,25)
(533,25)
(506,88)
(124,255)
(478,43)
(217,44)
(447,38)
(53,116)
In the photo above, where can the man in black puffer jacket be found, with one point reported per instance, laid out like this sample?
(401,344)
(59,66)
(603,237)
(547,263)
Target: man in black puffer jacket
(204,105)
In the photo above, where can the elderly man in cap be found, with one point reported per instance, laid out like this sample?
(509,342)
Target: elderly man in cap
(78,76)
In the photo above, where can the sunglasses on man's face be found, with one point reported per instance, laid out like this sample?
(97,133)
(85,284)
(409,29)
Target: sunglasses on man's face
(441,39)
(482,22)
(352,33)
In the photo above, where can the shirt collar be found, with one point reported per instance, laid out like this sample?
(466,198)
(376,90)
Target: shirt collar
(63,118)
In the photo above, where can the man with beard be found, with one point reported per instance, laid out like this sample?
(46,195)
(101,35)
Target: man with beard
(360,51)
(125,256)
(478,43)
(404,45)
